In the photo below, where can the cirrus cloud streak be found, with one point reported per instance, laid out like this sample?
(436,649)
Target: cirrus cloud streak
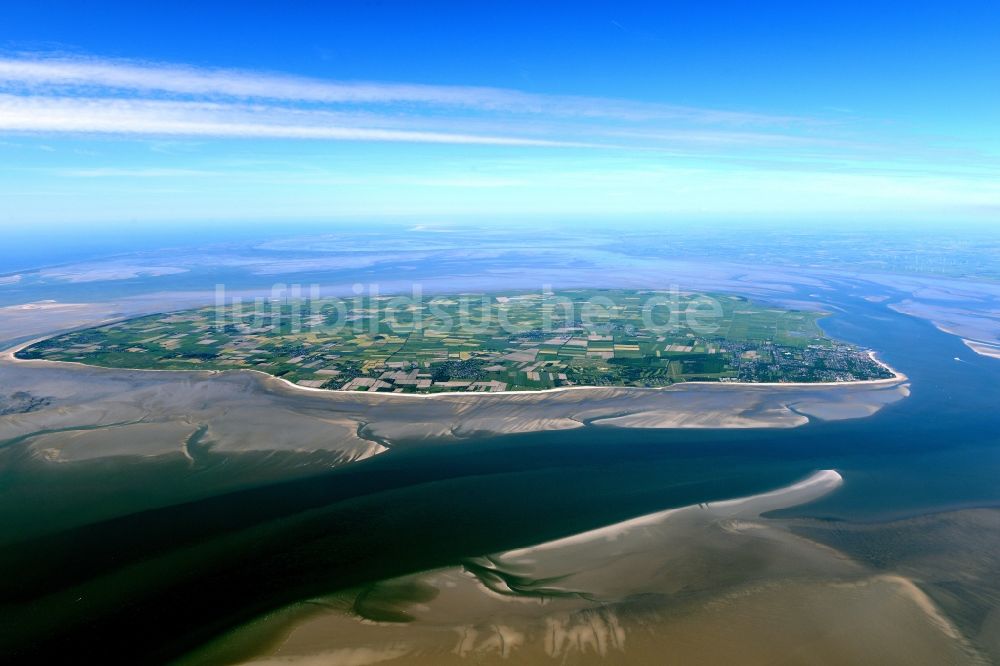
(157,117)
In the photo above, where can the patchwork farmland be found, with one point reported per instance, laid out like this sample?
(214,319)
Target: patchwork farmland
(481,342)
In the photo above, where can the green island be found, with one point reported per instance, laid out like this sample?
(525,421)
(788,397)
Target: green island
(481,342)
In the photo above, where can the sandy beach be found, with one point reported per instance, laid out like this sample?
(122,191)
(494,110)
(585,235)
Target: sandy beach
(983,348)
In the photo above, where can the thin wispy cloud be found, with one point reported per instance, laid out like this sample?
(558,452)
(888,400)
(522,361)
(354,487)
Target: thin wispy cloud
(88,95)
(113,172)
(128,76)
(170,118)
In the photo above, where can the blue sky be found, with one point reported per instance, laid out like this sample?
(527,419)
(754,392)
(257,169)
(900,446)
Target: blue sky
(114,113)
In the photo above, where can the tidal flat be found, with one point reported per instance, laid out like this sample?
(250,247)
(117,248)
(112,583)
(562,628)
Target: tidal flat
(709,583)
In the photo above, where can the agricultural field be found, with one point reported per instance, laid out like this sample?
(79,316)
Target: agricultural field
(481,342)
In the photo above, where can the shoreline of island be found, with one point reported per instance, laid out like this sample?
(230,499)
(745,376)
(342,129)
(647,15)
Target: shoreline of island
(10,355)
